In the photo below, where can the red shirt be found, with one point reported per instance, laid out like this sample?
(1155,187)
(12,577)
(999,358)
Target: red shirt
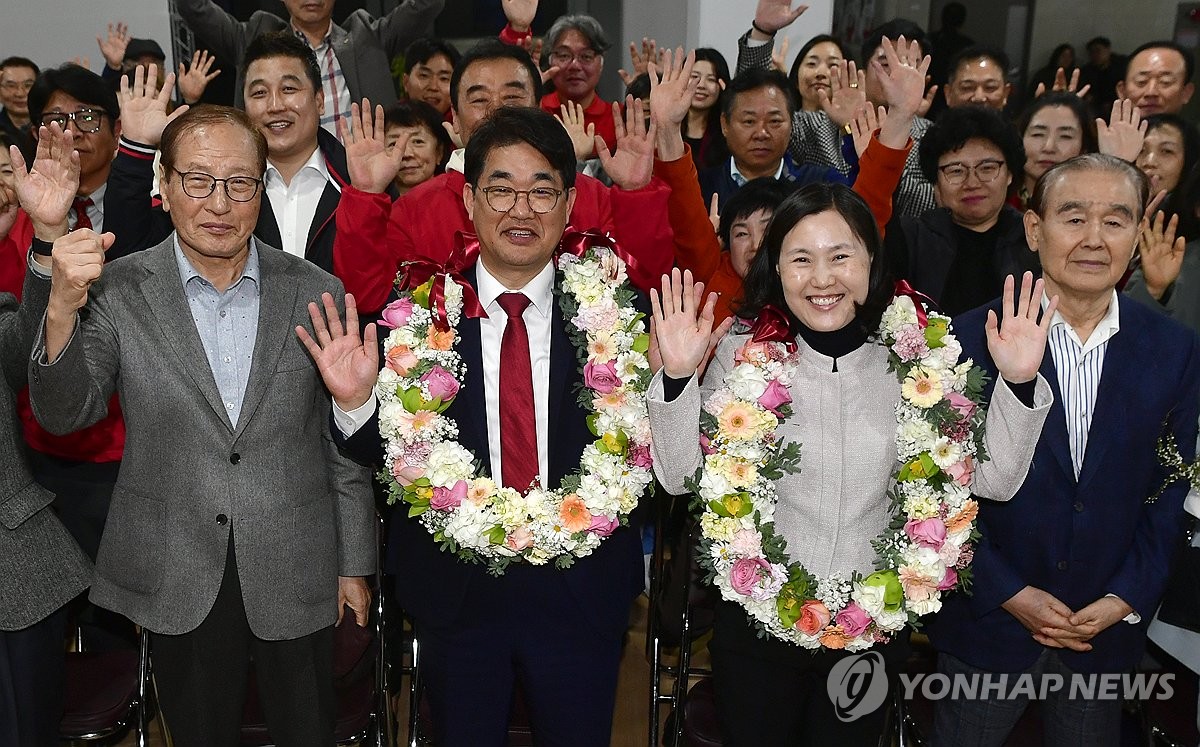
(599,113)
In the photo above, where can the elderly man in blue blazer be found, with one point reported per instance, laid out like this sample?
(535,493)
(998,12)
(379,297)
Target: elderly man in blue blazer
(1070,571)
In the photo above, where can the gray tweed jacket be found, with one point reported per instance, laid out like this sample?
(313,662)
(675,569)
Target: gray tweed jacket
(300,514)
(41,567)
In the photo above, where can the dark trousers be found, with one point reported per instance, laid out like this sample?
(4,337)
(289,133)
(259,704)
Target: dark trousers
(201,678)
(771,692)
(31,683)
(524,627)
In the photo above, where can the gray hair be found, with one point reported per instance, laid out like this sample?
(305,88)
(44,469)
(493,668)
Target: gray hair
(1090,162)
(589,27)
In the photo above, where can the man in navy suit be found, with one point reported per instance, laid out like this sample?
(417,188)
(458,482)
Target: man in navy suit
(558,633)
(1070,571)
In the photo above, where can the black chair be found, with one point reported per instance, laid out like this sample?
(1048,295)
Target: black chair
(107,693)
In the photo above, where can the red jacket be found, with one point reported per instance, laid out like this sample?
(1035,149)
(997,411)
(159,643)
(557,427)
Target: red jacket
(374,234)
(599,114)
(102,442)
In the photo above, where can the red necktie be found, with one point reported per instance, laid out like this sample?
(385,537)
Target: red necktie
(80,207)
(518,427)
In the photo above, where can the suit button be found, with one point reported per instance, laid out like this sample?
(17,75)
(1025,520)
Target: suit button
(1078,507)
(222,519)
(1062,565)
(235,457)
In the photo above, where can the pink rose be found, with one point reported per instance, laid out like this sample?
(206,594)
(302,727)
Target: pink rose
(949,580)
(814,616)
(927,532)
(639,456)
(442,384)
(746,572)
(396,313)
(405,472)
(519,539)
(853,619)
(601,378)
(602,526)
(775,396)
(445,499)
(400,359)
(961,404)
(962,471)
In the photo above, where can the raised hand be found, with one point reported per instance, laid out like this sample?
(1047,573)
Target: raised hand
(927,102)
(779,56)
(534,47)
(1161,252)
(903,82)
(714,212)
(772,15)
(641,60)
(144,106)
(847,92)
(1062,84)
(863,126)
(583,136)
(683,323)
(193,80)
(113,45)
(632,166)
(670,99)
(1123,134)
(520,13)
(348,364)
(451,129)
(1019,343)
(371,164)
(76,263)
(47,191)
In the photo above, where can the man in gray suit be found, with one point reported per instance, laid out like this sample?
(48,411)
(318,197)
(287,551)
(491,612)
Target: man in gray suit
(237,531)
(355,59)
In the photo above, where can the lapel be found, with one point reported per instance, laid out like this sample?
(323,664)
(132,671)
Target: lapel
(1054,432)
(163,292)
(267,228)
(339,39)
(276,304)
(1117,380)
(323,215)
(562,368)
(471,402)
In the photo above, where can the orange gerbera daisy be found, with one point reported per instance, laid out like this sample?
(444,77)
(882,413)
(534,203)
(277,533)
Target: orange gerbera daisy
(737,420)
(965,516)
(440,340)
(574,514)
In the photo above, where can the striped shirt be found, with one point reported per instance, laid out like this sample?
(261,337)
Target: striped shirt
(333,81)
(1079,366)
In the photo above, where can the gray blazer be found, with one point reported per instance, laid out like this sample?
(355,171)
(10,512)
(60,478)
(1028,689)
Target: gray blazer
(1181,302)
(41,567)
(300,514)
(364,46)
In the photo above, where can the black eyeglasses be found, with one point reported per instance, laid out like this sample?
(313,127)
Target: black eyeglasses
(957,173)
(502,199)
(199,185)
(86,120)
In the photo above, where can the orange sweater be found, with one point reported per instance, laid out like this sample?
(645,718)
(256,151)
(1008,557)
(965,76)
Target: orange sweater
(697,247)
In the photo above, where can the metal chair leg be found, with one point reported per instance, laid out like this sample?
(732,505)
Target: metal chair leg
(414,695)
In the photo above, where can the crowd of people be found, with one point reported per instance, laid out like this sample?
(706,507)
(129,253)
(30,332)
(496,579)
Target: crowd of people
(212,345)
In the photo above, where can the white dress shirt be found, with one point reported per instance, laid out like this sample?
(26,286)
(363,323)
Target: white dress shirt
(537,316)
(295,204)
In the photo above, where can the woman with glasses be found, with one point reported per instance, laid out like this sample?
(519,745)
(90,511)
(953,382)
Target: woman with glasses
(959,253)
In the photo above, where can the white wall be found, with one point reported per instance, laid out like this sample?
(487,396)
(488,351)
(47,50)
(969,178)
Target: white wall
(51,32)
(1127,24)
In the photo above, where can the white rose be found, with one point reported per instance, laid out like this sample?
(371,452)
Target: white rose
(714,486)
(747,382)
(925,606)
(870,598)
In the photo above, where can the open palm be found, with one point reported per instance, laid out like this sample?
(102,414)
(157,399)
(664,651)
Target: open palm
(371,164)
(683,323)
(47,191)
(347,363)
(1018,343)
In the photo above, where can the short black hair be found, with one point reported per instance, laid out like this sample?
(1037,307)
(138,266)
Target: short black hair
(78,83)
(1187,131)
(893,30)
(511,125)
(976,52)
(1189,64)
(752,80)
(494,49)
(1082,110)
(426,48)
(955,126)
(763,285)
(283,44)
(794,73)
(20,62)
(419,114)
(639,88)
(1098,41)
(764,193)
(954,15)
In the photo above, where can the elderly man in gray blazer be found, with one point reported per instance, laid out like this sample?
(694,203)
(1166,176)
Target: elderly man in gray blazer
(237,530)
(355,58)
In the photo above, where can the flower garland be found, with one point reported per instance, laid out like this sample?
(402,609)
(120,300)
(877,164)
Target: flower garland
(928,544)
(444,484)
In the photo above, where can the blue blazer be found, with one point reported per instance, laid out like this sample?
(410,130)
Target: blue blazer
(719,181)
(1082,539)
(434,586)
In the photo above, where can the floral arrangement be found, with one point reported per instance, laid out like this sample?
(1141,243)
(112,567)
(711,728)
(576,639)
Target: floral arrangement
(927,547)
(444,484)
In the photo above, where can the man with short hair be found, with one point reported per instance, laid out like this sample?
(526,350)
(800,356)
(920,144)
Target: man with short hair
(978,77)
(428,66)
(1069,572)
(756,120)
(1158,78)
(1103,71)
(355,57)
(227,544)
(17,75)
(376,235)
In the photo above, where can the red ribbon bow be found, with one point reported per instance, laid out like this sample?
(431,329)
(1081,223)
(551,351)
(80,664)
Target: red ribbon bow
(919,299)
(578,242)
(772,325)
(416,272)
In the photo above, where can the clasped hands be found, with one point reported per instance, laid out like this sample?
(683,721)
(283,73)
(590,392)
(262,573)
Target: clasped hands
(1054,624)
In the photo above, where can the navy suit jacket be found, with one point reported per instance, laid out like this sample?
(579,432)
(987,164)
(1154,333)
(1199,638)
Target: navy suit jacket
(433,585)
(1082,539)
